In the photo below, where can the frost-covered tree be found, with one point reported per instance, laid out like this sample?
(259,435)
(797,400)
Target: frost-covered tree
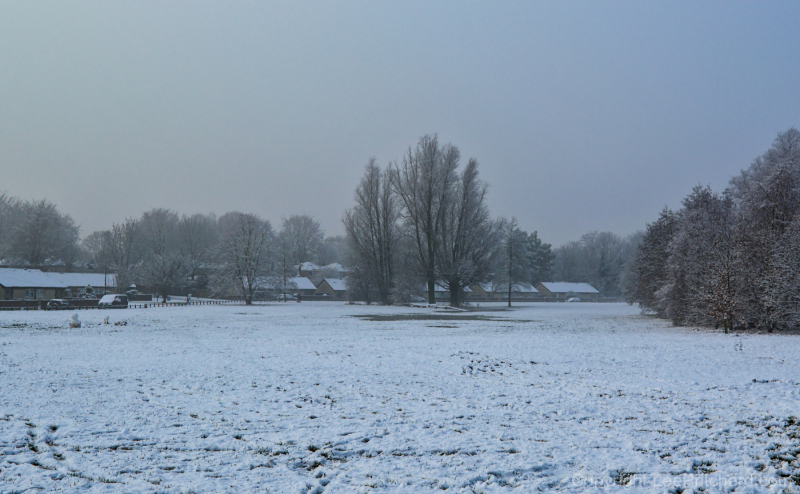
(768,197)
(729,259)
(197,240)
(124,248)
(10,214)
(159,228)
(700,284)
(650,264)
(164,265)
(42,236)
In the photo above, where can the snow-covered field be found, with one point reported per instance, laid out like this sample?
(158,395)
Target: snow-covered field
(309,398)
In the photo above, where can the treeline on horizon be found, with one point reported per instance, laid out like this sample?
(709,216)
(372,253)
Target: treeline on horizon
(35,234)
(166,251)
(241,254)
(728,259)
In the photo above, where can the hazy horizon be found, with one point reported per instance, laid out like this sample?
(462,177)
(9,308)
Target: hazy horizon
(583,116)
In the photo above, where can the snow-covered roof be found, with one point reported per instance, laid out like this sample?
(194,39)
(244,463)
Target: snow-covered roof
(302,283)
(503,287)
(336,266)
(28,278)
(308,266)
(83,279)
(440,288)
(562,287)
(336,284)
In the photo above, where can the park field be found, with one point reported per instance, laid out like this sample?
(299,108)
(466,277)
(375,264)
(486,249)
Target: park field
(328,397)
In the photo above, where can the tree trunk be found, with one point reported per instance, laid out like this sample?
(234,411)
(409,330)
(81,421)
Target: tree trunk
(455,295)
(431,291)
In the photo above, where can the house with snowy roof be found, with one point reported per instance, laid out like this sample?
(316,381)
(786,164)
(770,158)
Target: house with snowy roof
(332,287)
(307,269)
(500,291)
(31,284)
(302,286)
(77,283)
(563,291)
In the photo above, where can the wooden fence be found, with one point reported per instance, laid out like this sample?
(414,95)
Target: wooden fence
(148,305)
(92,304)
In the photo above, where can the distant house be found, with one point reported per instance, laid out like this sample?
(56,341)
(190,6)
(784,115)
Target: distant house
(332,287)
(500,291)
(31,284)
(77,282)
(562,291)
(307,269)
(303,286)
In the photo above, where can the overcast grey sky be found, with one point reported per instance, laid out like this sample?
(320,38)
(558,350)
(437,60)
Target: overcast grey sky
(583,115)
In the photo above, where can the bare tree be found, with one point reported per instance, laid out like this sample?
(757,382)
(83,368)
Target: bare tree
(244,254)
(468,236)
(424,182)
(567,264)
(333,249)
(124,248)
(197,239)
(302,236)
(159,231)
(95,244)
(164,272)
(372,231)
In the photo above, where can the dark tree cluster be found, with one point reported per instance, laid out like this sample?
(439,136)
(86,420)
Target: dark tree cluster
(729,259)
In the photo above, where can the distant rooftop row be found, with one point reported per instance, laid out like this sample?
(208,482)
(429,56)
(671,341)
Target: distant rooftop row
(37,285)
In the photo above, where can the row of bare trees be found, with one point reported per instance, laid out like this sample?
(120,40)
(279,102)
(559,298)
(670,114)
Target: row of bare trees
(237,253)
(730,259)
(422,221)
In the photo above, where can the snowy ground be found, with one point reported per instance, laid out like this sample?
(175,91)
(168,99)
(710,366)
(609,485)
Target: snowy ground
(307,398)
